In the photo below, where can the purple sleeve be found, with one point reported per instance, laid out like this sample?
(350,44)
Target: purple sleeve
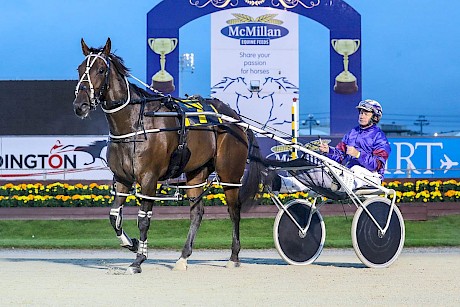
(376,160)
(338,153)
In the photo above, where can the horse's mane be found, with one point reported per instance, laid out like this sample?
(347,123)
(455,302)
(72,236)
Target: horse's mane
(123,70)
(119,65)
(116,60)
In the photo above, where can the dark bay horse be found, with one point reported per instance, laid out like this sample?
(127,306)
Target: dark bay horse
(140,150)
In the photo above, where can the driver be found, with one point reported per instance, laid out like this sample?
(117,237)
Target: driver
(364,149)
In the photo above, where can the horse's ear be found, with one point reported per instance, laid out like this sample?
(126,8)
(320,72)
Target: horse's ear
(107,47)
(84,48)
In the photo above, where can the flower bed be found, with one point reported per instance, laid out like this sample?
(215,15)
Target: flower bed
(425,190)
(98,195)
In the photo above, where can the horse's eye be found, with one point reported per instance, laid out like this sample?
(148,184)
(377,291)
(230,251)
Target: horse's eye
(101,70)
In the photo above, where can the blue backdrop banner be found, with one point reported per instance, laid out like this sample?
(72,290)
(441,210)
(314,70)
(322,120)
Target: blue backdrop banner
(427,157)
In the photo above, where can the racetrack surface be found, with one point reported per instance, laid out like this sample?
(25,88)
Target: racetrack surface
(420,277)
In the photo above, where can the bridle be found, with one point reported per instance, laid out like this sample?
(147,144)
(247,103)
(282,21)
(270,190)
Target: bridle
(96,100)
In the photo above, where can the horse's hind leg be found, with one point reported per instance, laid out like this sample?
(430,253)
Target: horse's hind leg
(234,210)
(196,216)
(116,218)
(230,164)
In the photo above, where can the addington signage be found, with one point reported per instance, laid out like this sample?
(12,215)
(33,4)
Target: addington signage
(54,158)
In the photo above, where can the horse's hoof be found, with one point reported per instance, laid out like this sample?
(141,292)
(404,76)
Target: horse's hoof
(133,270)
(232,264)
(181,265)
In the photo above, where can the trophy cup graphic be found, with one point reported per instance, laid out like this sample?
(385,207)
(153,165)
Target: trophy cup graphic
(345,82)
(162,80)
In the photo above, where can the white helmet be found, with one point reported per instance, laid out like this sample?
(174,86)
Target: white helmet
(373,106)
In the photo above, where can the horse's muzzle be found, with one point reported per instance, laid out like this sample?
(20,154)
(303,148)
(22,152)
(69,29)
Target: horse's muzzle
(81,109)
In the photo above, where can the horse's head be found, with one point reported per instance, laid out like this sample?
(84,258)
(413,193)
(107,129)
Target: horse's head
(94,80)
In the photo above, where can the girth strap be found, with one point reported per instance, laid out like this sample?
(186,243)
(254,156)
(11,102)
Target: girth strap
(180,157)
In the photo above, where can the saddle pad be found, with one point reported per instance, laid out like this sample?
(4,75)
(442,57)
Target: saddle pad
(197,106)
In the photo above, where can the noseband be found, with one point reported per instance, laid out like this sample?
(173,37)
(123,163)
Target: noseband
(96,100)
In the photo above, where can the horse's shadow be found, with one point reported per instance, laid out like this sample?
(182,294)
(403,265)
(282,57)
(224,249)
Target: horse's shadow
(116,264)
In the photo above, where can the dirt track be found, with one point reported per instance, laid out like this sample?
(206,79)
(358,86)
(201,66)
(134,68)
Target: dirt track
(94,278)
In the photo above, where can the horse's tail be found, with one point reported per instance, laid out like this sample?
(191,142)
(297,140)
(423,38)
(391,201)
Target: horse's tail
(254,175)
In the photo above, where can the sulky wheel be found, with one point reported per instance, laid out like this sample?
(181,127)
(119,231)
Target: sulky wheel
(373,248)
(293,246)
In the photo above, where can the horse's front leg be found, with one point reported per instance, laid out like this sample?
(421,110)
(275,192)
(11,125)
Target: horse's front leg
(143,222)
(116,217)
(196,216)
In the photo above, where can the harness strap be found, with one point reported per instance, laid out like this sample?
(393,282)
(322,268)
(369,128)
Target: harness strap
(90,60)
(199,185)
(183,132)
(195,200)
(172,105)
(145,214)
(174,198)
(115,193)
(127,135)
(230,184)
(128,99)
(136,194)
(217,182)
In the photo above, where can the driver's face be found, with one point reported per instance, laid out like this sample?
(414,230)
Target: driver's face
(364,118)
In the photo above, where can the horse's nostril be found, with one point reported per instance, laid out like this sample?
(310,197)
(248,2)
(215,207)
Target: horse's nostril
(81,109)
(84,107)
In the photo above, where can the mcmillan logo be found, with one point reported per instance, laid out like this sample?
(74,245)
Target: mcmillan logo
(254,31)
